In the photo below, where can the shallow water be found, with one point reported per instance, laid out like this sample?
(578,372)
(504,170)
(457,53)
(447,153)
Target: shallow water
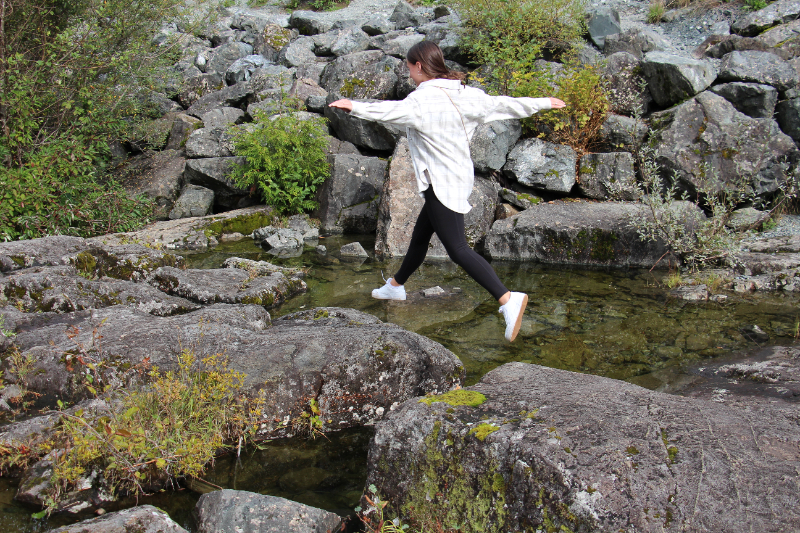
(615,323)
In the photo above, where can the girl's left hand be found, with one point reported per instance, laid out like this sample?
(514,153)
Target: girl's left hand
(555,103)
(345,104)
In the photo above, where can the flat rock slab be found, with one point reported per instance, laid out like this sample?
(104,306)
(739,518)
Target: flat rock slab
(91,257)
(577,233)
(227,285)
(552,449)
(142,519)
(764,375)
(238,511)
(198,233)
(61,289)
(355,366)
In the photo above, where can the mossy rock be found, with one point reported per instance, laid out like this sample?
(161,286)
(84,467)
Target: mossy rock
(457,397)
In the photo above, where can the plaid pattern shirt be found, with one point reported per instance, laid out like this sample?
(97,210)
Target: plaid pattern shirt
(437,137)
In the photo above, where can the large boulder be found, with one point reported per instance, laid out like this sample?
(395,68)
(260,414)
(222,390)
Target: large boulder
(353,365)
(601,22)
(362,75)
(397,45)
(607,176)
(209,142)
(707,132)
(196,87)
(215,173)
(753,99)
(635,42)
(298,52)
(229,511)
(350,41)
(349,199)
(310,22)
(93,258)
(401,204)
(625,92)
(406,16)
(231,96)
(581,233)
(228,285)
(787,113)
(363,133)
(673,78)
(156,175)
(226,55)
(141,519)
(779,12)
(241,69)
(542,165)
(758,67)
(195,201)
(491,143)
(535,448)
(62,290)
(619,132)
(196,233)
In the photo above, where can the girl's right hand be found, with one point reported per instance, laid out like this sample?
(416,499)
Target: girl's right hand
(345,104)
(555,103)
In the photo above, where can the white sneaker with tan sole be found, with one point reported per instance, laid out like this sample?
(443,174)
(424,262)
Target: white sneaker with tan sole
(512,311)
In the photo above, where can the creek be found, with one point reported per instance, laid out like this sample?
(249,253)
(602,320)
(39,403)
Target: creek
(616,323)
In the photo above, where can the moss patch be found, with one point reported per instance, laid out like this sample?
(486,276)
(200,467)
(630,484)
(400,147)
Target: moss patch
(482,431)
(244,224)
(457,397)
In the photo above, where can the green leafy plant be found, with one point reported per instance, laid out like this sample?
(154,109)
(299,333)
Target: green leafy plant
(507,37)
(163,432)
(285,160)
(755,5)
(73,76)
(583,90)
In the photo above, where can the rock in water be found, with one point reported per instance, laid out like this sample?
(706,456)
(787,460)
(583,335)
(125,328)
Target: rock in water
(142,519)
(550,449)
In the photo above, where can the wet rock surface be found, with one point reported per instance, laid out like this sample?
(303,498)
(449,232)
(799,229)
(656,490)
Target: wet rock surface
(550,447)
(581,233)
(247,512)
(141,519)
(355,366)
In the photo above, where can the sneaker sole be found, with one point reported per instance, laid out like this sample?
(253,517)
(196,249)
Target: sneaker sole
(519,318)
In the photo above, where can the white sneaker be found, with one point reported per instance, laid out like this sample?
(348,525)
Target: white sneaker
(389,292)
(512,311)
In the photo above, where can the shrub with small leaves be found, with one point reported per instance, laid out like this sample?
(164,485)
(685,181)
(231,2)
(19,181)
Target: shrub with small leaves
(285,160)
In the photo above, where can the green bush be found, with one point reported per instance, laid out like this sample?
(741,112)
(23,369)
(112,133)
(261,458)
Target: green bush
(507,37)
(75,75)
(286,160)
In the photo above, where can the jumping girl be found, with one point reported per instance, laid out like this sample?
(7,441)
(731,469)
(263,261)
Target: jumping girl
(440,118)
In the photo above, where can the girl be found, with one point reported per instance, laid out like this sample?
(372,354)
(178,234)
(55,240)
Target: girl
(440,117)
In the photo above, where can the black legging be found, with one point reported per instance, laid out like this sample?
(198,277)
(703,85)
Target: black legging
(449,226)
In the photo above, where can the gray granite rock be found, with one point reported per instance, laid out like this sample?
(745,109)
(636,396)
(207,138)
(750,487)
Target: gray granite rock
(350,41)
(753,99)
(625,92)
(210,142)
(581,233)
(787,113)
(215,173)
(196,87)
(227,54)
(235,511)
(182,127)
(607,176)
(779,12)
(195,201)
(362,75)
(241,69)
(141,519)
(355,366)
(492,142)
(673,78)
(156,175)
(622,133)
(758,67)
(298,52)
(708,132)
(542,165)
(353,249)
(555,449)
(362,133)
(349,198)
(600,22)
(406,16)
(636,42)
(231,96)
(378,26)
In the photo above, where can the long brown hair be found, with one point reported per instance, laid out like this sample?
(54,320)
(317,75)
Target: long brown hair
(430,57)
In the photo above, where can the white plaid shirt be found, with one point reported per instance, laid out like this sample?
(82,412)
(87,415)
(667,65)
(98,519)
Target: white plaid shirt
(436,136)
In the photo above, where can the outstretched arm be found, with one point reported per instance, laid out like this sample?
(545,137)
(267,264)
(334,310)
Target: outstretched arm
(398,112)
(506,107)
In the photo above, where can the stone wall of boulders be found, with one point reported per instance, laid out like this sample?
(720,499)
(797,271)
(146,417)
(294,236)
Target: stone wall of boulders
(730,107)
